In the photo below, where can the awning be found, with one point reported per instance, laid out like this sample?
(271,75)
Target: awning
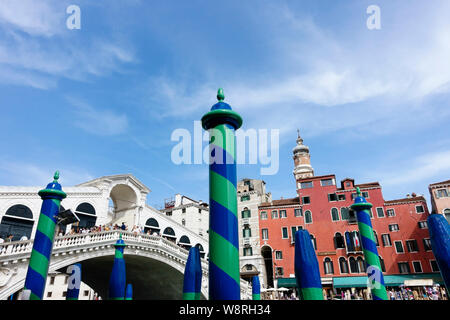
(287,282)
(390,280)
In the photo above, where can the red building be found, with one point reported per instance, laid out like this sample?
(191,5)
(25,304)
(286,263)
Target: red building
(323,208)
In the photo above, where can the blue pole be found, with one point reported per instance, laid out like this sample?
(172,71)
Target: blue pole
(307,268)
(192,276)
(117,280)
(256,288)
(439,230)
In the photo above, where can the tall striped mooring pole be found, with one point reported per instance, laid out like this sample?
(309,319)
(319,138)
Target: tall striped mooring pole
(117,280)
(376,279)
(439,229)
(43,240)
(192,282)
(224,276)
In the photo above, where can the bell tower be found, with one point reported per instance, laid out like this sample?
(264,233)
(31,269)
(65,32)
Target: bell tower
(302,160)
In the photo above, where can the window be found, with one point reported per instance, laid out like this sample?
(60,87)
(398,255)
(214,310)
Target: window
(353,265)
(326,182)
(417,266)
(246,213)
(332,197)
(64,293)
(274,214)
(66,279)
(344,214)
(293,231)
(298,212)
(283,214)
(199,210)
(52,280)
(343,265)
(183,222)
(399,247)
(376,238)
(308,216)
(386,238)
(306,185)
(442,193)
(247,232)
(284,233)
(314,242)
(265,234)
(334,214)
(383,267)
(169,213)
(380,212)
(341,197)
(390,212)
(365,194)
(248,251)
(306,200)
(49,294)
(361,265)
(420,209)
(354,195)
(351,216)
(393,227)
(278,255)
(183,210)
(279,271)
(423,225)
(412,246)
(403,267)
(245,198)
(328,266)
(427,244)
(263,215)
(339,241)
(434,266)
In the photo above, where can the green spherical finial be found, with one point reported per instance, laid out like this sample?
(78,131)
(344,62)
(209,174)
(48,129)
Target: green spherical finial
(220,95)
(358,191)
(56,176)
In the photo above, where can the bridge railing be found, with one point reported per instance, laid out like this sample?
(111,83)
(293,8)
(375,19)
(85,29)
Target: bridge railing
(9,249)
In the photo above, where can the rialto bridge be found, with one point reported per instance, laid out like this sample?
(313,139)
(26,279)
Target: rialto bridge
(155,260)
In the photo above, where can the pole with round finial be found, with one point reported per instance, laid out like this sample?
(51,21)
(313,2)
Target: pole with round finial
(37,271)
(376,279)
(117,280)
(224,275)
(192,282)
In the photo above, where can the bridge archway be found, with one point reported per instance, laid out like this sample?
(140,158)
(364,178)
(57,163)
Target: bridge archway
(124,199)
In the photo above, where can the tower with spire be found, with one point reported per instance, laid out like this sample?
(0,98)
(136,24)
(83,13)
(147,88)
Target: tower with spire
(302,160)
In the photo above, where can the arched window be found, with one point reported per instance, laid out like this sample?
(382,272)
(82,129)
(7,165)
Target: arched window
(308,216)
(169,234)
(334,214)
(353,265)
(344,214)
(343,265)
(349,242)
(361,265)
(86,213)
(18,221)
(246,213)
(339,242)
(447,214)
(184,240)
(314,242)
(200,248)
(151,226)
(328,266)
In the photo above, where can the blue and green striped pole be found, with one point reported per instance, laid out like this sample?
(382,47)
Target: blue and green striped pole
(43,240)
(74,282)
(224,274)
(117,280)
(256,288)
(306,267)
(376,279)
(192,276)
(129,292)
(439,229)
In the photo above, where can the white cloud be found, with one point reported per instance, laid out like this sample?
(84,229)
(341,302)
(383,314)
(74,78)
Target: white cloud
(29,174)
(100,122)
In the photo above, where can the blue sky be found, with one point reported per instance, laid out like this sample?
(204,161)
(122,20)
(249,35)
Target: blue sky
(371,104)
